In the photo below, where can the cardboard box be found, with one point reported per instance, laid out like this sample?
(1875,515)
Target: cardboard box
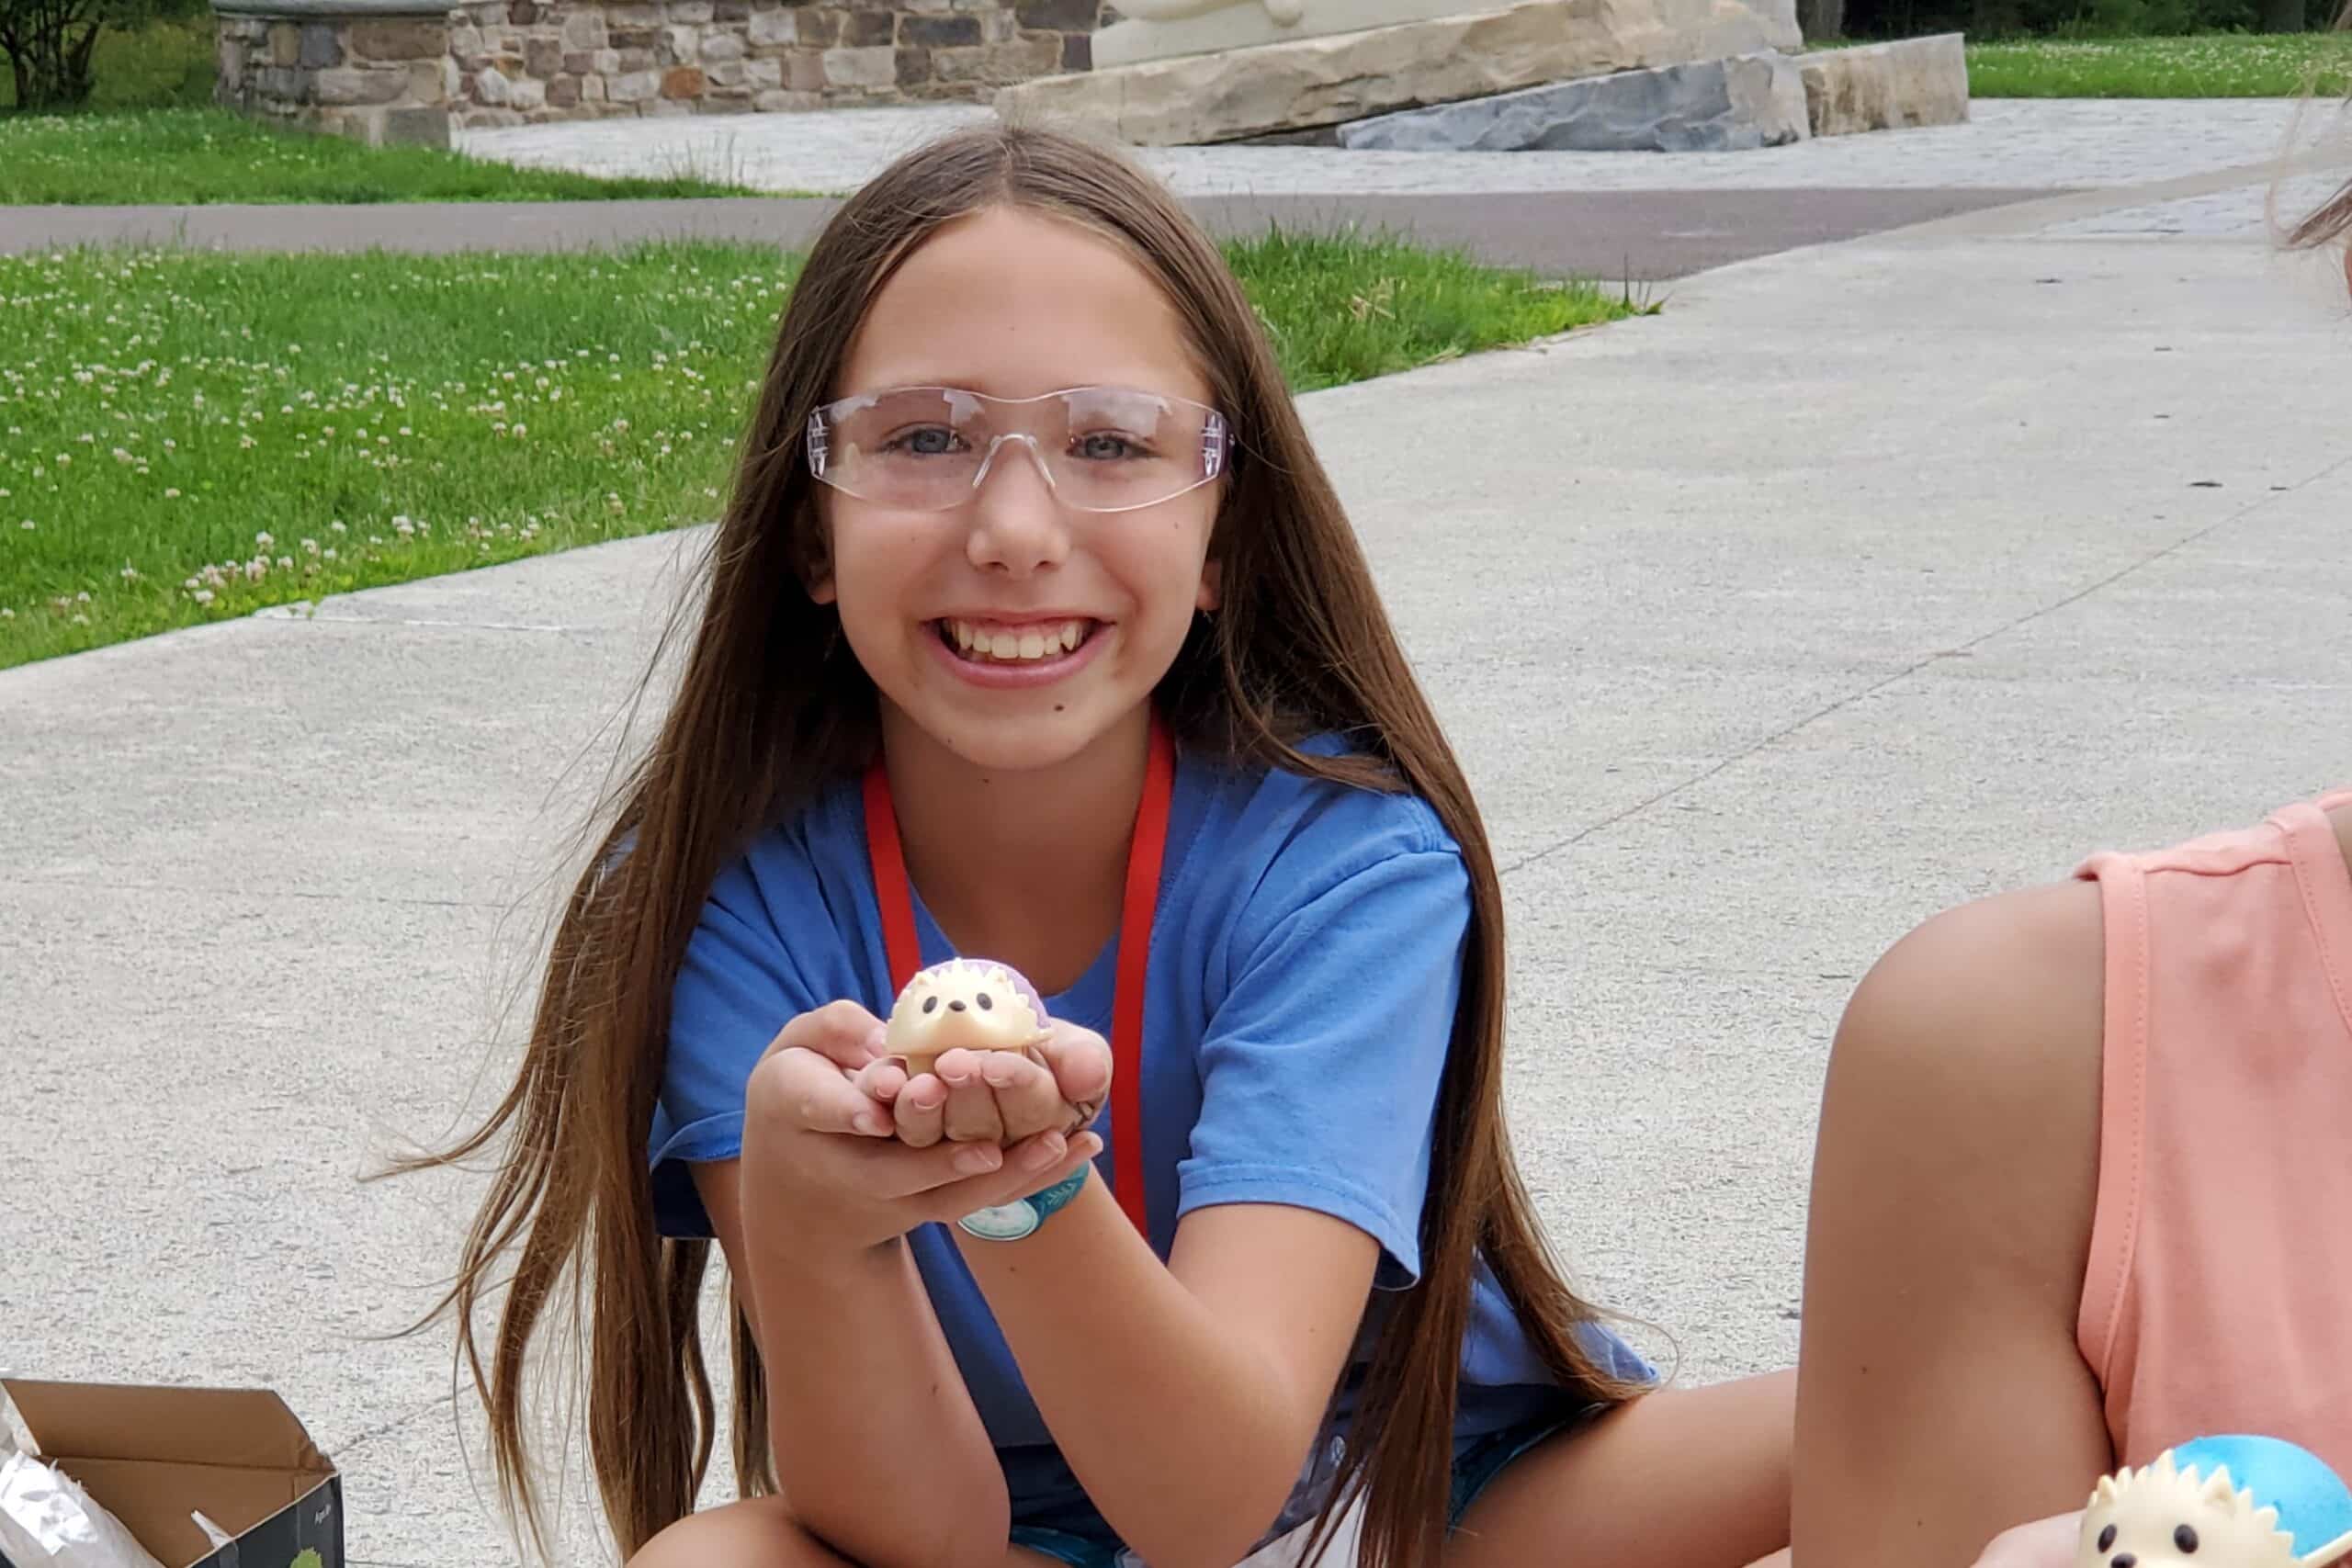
(153,1456)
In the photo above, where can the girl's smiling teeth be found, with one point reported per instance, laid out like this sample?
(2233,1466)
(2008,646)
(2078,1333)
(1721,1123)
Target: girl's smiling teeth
(1013,641)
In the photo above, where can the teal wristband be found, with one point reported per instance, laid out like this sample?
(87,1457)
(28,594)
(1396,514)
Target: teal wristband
(1011,1221)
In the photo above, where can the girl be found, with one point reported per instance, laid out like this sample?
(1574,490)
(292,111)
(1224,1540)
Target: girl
(2080,1191)
(1034,632)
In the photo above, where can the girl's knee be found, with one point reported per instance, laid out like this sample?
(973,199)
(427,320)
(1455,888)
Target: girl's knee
(758,1532)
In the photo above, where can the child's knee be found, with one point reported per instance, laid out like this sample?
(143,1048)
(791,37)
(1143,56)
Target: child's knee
(756,1533)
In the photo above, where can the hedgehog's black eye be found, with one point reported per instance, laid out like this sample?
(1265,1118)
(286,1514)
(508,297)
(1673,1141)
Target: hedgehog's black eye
(931,1004)
(2186,1538)
(2107,1537)
(986,1004)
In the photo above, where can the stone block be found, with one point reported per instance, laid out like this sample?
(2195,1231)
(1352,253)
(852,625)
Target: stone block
(227,69)
(1887,87)
(352,86)
(997,26)
(817,28)
(914,66)
(285,43)
(939,32)
(718,45)
(633,59)
(727,75)
(774,27)
(491,89)
(417,127)
(763,72)
(634,87)
(686,82)
(487,13)
(731,11)
(1341,77)
(591,89)
(525,13)
(528,94)
(998,62)
(283,82)
(805,72)
(466,39)
(1071,16)
(1078,51)
(675,45)
(563,92)
(695,13)
(861,67)
(779,102)
(727,103)
(1711,105)
(607,62)
(865,30)
(320,46)
(426,84)
(584,31)
(634,15)
(399,38)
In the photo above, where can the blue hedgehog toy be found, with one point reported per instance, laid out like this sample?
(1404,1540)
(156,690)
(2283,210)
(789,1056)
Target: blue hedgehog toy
(2226,1502)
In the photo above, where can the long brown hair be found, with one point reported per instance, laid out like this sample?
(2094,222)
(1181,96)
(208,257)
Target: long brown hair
(2332,219)
(771,705)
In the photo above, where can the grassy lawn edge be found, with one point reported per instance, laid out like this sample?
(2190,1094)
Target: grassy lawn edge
(195,436)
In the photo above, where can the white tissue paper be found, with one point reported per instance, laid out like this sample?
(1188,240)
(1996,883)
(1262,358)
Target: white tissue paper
(48,1521)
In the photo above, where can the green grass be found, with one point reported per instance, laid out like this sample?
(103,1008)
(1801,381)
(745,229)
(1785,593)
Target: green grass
(189,436)
(206,155)
(2216,66)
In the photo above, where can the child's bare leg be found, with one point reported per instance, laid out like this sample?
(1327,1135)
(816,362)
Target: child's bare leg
(1682,1478)
(758,1532)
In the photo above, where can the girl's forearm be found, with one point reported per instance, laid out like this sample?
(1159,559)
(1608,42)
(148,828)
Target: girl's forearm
(1185,1435)
(879,1448)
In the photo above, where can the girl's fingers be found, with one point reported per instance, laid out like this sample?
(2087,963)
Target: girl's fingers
(920,1111)
(882,1079)
(817,1096)
(842,1032)
(1027,1099)
(971,1115)
(1080,1060)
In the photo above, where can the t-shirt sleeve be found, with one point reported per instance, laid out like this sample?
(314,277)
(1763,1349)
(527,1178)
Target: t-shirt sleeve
(738,985)
(1321,1065)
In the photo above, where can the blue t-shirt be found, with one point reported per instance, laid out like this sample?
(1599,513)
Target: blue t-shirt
(1305,962)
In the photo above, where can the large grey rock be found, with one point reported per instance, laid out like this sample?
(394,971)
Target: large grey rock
(1337,78)
(1712,105)
(1887,87)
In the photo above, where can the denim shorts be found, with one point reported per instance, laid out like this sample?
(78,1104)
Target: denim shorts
(1475,1465)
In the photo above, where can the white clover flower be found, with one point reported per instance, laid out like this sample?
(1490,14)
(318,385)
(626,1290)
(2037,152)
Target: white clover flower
(204,596)
(263,540)
(129,572)
(170,494)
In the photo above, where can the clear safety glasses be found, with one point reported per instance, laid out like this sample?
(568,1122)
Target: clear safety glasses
(1100,448)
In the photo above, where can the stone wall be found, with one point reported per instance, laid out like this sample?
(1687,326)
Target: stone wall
(520,62)
(376,73)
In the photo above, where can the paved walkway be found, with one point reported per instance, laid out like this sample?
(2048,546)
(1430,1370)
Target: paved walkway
(2008,143)
(1860,580)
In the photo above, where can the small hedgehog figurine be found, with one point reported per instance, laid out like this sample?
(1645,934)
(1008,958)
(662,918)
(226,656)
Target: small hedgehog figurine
(2229,1501)
(965,1004)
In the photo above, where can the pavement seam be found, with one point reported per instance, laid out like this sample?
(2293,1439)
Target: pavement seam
(1954,651)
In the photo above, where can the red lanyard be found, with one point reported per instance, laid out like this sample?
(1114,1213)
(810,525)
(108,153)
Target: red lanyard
(1145,853)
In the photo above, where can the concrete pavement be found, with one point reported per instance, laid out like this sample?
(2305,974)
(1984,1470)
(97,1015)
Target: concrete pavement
(1863,580)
